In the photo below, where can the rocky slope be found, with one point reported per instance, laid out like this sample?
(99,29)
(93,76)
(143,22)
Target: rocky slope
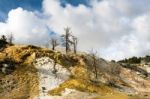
(47,78)
(28,72)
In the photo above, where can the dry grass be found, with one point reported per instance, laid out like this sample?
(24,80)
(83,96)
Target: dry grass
(80,80)
(27,83)
(27,79)
(104,91)
(25,75)
(80,85)
(113,96)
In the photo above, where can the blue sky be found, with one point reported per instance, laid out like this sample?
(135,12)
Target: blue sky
(7,5)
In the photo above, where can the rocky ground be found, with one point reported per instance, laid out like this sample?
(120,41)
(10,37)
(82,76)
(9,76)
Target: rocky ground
(33,76)
(50,80)
(48,77)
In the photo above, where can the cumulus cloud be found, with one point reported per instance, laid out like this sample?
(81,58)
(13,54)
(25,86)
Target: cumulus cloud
(115,28)
(26,27)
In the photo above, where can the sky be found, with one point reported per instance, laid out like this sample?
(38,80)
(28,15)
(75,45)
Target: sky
(116,29)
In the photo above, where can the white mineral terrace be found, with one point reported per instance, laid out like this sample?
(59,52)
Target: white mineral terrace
(49,80)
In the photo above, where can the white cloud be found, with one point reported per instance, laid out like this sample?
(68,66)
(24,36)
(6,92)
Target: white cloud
(25,26)
(116,28)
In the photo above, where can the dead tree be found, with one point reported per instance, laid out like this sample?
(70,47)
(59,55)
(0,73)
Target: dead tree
(75,44)
(94,63)
(56,60)
(54,67)
(66,37)
(10,38)
(54,43)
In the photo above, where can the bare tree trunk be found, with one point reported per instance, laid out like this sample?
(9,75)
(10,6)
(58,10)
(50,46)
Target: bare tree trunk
(75,44)
(95,66)
(54,43)
(75,51)
(10,38)
(53,47)
(94,63)
(66,43)
(54,68)
(67,35)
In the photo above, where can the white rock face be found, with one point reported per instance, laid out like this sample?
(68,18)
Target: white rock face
(49,80)
(148,69)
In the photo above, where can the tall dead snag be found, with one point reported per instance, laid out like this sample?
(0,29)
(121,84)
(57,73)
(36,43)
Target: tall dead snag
(94,63)
(54,43)
(56,60)
(54,67)
(75,44)
(10,38)
(66,37)
(70,40)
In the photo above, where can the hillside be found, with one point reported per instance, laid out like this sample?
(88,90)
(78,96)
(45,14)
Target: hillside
(28,72)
